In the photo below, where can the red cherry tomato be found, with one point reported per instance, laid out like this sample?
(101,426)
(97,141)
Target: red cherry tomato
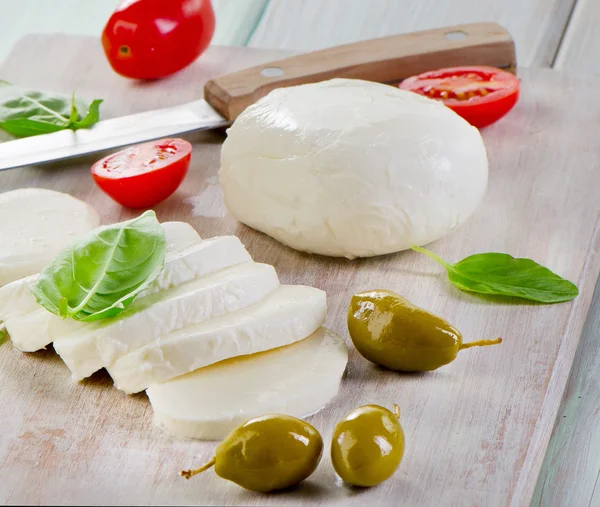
(481,95)
(150,39)
(144,175)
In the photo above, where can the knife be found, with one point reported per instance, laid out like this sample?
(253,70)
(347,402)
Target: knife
(385,60)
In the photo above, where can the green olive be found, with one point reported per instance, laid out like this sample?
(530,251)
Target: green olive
(367,445)
(267,453)
(390,331)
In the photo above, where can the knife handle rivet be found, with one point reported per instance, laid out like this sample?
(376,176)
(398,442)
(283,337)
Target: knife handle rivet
(272,72)
(455,35)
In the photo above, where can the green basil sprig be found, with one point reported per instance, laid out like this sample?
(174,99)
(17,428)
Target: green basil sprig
(101,274)
(503,275)
(26,113)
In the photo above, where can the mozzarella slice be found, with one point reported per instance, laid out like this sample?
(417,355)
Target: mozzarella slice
(179,236)
(101,343)
(32,327)
(36,330)
(209,256)
(35,224)
(287,315)
(16,297)
(297,380)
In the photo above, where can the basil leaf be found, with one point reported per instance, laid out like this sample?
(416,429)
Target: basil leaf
(92,116)
(503,275)
(3,334)
(100,275)
(26,127)
(74,113)
(27,113)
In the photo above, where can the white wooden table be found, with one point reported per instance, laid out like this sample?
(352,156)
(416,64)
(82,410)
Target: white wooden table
(562,34)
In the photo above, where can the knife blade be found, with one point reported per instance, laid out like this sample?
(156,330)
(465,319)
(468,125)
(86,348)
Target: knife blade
(385,60)
(113,133)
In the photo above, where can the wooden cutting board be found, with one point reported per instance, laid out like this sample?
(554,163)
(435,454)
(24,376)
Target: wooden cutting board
(476,430)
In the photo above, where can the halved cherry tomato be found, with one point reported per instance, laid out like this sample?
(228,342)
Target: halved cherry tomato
(481,95)
(150,39)
(144,175)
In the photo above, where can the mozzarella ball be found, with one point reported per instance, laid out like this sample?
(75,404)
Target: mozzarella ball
(351,168)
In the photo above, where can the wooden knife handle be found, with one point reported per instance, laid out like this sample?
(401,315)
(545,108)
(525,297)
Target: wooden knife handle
(385,60)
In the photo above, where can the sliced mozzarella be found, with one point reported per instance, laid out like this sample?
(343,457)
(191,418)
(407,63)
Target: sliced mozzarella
(297,380)
(36,330)
(180,235)
(16,297)
(287,315)
(32,327)
(35,224)
(209,256)
(101,343)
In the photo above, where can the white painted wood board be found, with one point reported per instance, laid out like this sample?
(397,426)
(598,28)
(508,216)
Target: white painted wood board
(477,430)
(536,25)
(581,44)
(569,476)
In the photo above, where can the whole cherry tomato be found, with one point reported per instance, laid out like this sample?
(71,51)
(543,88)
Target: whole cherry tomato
(150,39)
(481,95)
(144,175)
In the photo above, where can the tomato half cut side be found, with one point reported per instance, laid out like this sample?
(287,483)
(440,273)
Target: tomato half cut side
(144,175)
(481,95)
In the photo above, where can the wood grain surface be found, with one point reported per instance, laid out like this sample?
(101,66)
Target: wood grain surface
(536,25)
(581,43)
(570,472)
(476,430)
(565,37)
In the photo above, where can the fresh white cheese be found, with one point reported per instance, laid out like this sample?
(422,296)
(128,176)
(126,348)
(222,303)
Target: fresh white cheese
(31,327)
(179,236)
(36,224)
(102,342)
(36,330)
(16,297)
(287,315)
(206,257)
(352,168)
(296,380)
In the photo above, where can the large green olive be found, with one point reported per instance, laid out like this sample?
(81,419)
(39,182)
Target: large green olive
(390,331)
(267,453)
(367,446)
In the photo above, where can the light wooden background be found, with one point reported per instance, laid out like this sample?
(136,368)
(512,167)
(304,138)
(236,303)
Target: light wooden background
(563,34)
